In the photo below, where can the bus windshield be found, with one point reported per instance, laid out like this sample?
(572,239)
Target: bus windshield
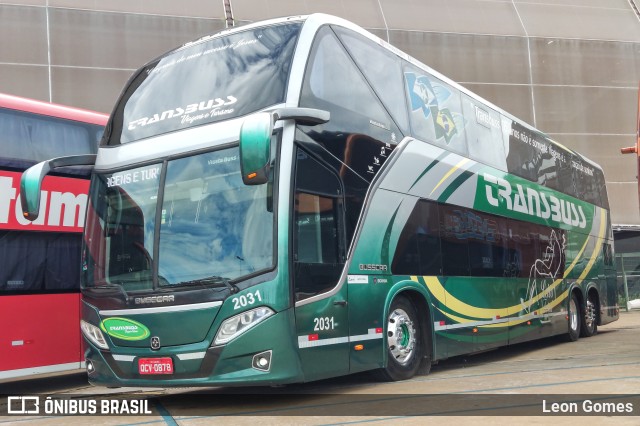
(212,228)
(207,81)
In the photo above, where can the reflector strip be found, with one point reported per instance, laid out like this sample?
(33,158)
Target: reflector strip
(127,358)
(440,325)
(192,355)
(304,342)
(368,336)
(313,340)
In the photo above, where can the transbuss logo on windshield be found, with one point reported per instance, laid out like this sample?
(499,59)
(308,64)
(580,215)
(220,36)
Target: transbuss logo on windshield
(205,109)
(62,205)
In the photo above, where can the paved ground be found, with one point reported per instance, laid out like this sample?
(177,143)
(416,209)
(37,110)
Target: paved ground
(499,387)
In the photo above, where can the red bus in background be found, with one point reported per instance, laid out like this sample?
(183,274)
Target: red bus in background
(39,261)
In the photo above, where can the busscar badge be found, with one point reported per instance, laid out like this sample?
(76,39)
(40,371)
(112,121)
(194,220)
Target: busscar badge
(155,343)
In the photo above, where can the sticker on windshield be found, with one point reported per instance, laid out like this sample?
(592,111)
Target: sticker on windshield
(222,160)
(133,176)
(190,113)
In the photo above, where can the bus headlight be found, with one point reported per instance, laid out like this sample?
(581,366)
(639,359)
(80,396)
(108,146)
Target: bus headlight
(238,324)
(94,334)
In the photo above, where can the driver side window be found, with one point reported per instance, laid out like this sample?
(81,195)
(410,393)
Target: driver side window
(318,227)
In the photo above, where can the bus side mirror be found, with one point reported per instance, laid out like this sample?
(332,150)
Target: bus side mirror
(255,148)
(31,180)
(255,139)
(30,184)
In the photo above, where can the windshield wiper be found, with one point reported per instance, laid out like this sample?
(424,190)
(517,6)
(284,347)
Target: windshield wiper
(119,287)
(214,279)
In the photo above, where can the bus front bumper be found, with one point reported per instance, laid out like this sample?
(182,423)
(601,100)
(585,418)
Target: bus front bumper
(264,355)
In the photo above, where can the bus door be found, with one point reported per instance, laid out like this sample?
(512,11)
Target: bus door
(318,259)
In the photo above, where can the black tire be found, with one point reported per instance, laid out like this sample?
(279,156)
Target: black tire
(404,340)
(589,325)
(574,322)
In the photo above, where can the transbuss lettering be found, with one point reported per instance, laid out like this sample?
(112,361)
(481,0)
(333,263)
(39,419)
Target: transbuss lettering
(63,204)
(212,107)
(533,203)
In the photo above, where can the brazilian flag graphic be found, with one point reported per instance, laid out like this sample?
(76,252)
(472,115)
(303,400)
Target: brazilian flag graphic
(444,123)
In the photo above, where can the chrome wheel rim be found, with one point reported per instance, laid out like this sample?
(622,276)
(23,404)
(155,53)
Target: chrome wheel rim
(573,315)
(401,336)
(590,315)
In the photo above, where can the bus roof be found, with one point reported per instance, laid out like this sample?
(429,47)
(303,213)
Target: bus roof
(53,110)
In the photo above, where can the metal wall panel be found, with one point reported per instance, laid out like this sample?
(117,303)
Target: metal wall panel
(624,201)
(92,88)
(601,23)
(193,8)
(575,109)
(23,35)
(31,81)
(467,57)
(119,40)
(24,2)
(611,4)
(453,16)
(365,13)
(585,62)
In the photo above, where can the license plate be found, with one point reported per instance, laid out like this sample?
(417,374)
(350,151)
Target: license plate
(155,365)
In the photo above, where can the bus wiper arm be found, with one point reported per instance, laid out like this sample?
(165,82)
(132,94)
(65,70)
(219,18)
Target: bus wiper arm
(214,279)
(119,287)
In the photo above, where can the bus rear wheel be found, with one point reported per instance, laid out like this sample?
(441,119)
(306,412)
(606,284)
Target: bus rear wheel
(404,341)
(589,325)
(574,318)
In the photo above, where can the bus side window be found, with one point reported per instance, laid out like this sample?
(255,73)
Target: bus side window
(488,245)
(318,228)
(383,71)
(435,110)
(524,241)
(24,260)
(455,240)
(418,251)
(361,132)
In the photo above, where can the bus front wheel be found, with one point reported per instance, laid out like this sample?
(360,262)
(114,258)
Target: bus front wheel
(404,345)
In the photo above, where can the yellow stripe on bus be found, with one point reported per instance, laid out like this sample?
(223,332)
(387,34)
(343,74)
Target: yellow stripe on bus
(449,173)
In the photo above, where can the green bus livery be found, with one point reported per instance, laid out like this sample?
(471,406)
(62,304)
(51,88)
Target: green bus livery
(296,199)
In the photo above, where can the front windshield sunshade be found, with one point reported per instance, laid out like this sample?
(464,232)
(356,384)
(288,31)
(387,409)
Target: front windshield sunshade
(212,228)
(210,80)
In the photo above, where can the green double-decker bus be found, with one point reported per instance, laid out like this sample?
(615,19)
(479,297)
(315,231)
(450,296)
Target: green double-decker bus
(296,199)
